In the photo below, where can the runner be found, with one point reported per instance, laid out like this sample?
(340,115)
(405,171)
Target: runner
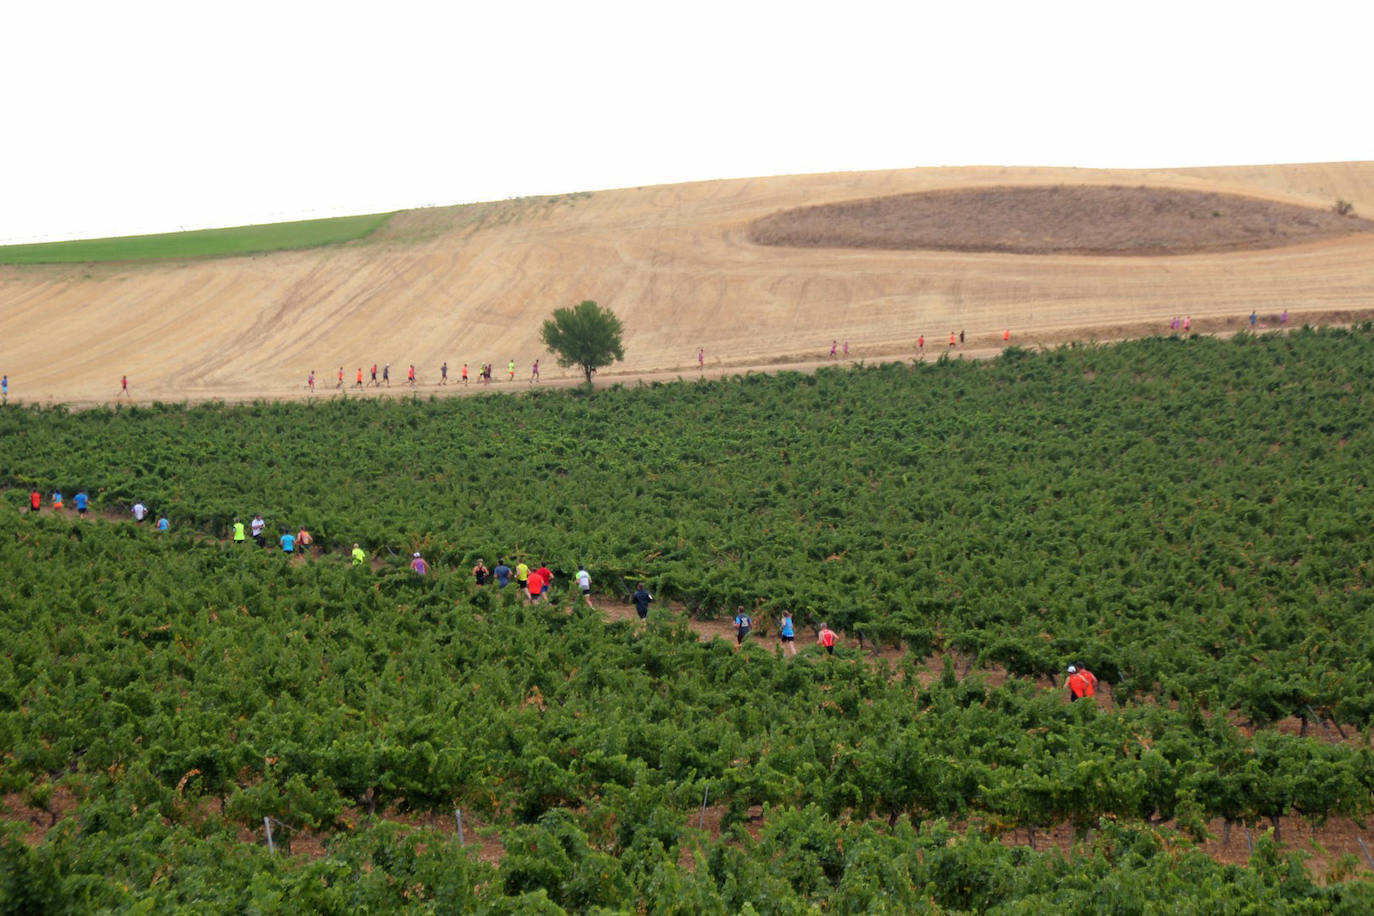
(140,512)
(834,348)
(826,637)
(465,375)
(81,500)
(641,598)
(510,367)
(419,565)
(535,585)
(257,526)
(961,337)
(1283,318)
(1006,336)
(1081,684)
(481,573)
(35,500)
(787,634)
(522,574)
(951,338)
(921,344)
(386,374)
(163,524)
(239,536)
(846,349)
(310,381)
(1254,317)
(545,578)
(534,372)
(411,376)
(443,373)
(502,573)
(340,385)
(584,582)
(373,382)
(124,387)
(304,540)
(57,499)
(4,389)
(359,382)
(743,624)
(1187,324)
(288,540)
(701,358)
(359,558)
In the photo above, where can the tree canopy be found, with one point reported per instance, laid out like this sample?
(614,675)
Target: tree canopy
(586,336)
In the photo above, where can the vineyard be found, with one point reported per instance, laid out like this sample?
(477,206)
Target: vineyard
(1189,518)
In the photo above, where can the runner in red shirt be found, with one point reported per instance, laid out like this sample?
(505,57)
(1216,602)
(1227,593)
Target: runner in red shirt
(465,375)
(373,383)
(35,500)
(545,576)
(412,375)
(535,585)
(359,382)
(826,637)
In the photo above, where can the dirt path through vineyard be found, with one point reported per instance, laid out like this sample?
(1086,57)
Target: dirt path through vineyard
(1325,844)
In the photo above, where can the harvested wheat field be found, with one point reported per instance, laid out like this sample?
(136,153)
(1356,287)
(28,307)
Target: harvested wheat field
(871,258)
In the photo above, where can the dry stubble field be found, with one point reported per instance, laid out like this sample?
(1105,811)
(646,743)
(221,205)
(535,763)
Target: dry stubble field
(680,265)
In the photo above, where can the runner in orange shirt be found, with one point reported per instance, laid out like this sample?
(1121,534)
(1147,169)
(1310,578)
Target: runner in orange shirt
(1082,683)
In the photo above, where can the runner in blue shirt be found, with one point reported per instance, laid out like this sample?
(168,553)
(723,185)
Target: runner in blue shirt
(163,524)
(288,543)
(81,500)
(788,634)
(502,573)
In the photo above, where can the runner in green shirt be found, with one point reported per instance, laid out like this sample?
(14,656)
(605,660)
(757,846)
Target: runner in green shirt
(239,536)
(359,558)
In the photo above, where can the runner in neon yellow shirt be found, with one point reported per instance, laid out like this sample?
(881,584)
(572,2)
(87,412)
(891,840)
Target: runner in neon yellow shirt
(239,536)
(359,558)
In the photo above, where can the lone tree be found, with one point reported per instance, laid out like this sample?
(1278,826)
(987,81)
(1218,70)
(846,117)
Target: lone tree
(586,336)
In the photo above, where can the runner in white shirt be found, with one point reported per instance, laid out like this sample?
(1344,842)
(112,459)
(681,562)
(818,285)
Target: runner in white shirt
(258,526)
(140,511)
(584,581)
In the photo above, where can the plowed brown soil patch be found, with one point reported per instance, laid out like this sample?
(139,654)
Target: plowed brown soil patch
(1057,219)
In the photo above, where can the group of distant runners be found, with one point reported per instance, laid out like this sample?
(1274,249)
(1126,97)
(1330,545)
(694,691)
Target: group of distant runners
(826,638)
(82,503)
(484,375)
(533,583)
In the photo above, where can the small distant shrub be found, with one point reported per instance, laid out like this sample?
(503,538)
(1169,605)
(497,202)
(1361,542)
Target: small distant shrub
(1343,207)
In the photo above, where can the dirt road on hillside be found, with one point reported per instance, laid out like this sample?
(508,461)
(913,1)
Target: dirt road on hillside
(676,263)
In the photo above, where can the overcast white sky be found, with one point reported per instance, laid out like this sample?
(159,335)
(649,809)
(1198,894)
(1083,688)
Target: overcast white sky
(122,118)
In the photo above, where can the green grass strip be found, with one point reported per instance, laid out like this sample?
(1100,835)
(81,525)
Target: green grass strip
(201,243)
